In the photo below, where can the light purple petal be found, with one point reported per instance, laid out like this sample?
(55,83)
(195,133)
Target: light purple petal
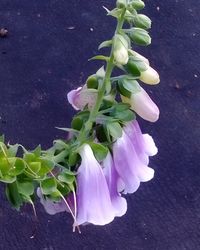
(50,206)
(73,97)
(130,168)
(112,178)
(142,104)
(93,197)
(81,97)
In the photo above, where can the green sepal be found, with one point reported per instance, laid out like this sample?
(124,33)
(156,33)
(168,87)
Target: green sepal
(13,195)
(100,57)
(127,86)
(105,44)
(92,82)
(99,150)
(114,129)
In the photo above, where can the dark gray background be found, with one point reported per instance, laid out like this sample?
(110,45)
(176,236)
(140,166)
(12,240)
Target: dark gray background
(42,59)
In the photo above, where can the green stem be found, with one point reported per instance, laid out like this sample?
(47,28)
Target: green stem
(109,68)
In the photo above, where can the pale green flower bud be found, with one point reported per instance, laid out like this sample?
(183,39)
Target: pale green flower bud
(138,4)
(142,21)
(120,47)
(150,76)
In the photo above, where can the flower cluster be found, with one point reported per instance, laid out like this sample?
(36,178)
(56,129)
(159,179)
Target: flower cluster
(105,155)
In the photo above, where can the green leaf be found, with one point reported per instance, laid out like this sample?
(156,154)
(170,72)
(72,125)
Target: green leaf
(100,57)
(37,151)
(73,158)
(105,44)
(115,12)
(115,130)
(124,116)
(13,195)
(120,107)
(8,179)
(12,150)
(4,165)
(77,123)
(35,166)
(99,150)
(66,178)
(47,165)
(25,188)
(17,168)
(48,186)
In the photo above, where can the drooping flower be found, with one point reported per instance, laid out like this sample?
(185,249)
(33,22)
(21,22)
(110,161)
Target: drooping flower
(81,97)
(142,104)
(93,197)
(120,50)
(112,178)
(130,156)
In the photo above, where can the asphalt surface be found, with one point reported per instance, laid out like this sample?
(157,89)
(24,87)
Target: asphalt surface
(44,56)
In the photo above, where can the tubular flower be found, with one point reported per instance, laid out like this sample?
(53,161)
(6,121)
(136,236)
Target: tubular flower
(93,197)
(112,178)
(81,97)
(142,104)
(131,159)
(120,50)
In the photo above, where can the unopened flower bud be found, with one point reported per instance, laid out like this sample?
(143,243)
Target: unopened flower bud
(150,76)
(142,104)
(92,82)
(138,4)
(142,21)
(140,36)
(120,50)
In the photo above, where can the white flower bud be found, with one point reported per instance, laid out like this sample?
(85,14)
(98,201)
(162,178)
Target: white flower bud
(120,50)
(142,104)
(150,76)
